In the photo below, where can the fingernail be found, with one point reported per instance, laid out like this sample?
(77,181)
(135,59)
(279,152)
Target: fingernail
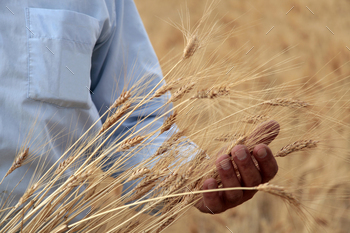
(241,154)
(225,164)
(211,185)
(262,153)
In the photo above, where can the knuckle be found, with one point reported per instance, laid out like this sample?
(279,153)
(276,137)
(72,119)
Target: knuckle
(227,175)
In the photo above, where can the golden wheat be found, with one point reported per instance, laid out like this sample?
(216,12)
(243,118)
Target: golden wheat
(115,117)
(18,161)
(296,146)
(124,96)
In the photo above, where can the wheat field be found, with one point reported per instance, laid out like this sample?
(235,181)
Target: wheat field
(316,35)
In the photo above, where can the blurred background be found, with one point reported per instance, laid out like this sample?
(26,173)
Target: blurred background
(317,34)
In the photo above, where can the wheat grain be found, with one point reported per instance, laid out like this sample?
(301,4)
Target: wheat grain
(292,103)
(212,93)
(168,122)
(128,143)
(191,47)
(168,179)
(181,92)
(63,165)
(165,88)
(75,180)
(228,137)
(138,173)
(296,146)
(254,119)
(166,223)
(115,117)
(18,162)
(124,96)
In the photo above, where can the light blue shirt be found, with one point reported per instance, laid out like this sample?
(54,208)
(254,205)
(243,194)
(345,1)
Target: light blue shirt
(52,53)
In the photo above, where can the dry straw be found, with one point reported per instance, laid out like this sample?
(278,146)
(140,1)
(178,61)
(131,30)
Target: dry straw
(171,180)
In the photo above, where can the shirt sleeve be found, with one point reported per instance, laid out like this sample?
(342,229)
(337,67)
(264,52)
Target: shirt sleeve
(123,55)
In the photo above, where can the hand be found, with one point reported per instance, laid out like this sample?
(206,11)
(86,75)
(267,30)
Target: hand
(250,175)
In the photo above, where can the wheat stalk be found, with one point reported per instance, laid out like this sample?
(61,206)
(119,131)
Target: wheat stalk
(60,229)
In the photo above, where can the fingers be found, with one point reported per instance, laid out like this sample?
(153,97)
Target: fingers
(249,173)
(211,202)
(250,176)
(228,179)
(267,162)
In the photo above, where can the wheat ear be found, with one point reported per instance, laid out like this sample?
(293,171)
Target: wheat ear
(128,143)
(165,88)
(18,162)
(228,137)
(63,165)
(292,103)
(181,92)
(168,122)
(254,119)
(296,146)
(138,174)
(115,117)
(27,195)
(280,192)
(124,96)
(191,47)
(212,93)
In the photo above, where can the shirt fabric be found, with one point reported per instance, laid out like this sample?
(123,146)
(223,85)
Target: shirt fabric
(62,63)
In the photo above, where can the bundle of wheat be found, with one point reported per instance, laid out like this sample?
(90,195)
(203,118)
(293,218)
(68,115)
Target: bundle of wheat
(168,182)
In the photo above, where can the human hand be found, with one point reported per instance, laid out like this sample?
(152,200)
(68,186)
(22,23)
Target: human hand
(249,175)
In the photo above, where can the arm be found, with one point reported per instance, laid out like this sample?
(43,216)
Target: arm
(121,57)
